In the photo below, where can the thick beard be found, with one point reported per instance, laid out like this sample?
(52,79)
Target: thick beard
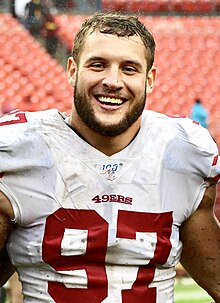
(86,113)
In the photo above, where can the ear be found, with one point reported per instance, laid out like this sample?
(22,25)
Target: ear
(151,79)
(71,71)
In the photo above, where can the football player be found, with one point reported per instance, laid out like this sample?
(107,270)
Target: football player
(101,205)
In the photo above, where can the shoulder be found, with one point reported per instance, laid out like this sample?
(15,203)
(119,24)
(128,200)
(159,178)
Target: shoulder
(22,138)
(18,117)
(180,127)
(16,123)
(192,135)
(188,147)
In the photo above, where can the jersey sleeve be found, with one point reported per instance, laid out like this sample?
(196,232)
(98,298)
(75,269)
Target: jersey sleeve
(205,150)
(12,133)
(191,163)
(24,161)
(193,150)
(21,143)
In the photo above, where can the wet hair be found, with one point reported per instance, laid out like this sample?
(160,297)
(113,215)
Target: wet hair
(115,23)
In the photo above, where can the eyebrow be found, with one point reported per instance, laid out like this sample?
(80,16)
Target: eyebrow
(95,58)
(129,62)
(134,63)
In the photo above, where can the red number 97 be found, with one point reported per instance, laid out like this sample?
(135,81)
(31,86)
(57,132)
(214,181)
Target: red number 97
(93,261)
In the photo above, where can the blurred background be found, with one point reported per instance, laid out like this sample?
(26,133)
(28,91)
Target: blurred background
(36,39)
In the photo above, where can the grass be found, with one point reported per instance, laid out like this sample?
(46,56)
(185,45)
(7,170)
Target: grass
(187,291)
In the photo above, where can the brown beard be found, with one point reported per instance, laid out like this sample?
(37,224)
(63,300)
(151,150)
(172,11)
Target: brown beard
(86,113)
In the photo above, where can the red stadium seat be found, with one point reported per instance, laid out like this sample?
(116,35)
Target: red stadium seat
(26,69)
(147,6)
(187,59)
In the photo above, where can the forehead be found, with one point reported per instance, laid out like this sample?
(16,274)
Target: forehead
(105,45)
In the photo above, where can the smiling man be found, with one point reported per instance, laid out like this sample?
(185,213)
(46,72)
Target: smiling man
(109,94)
(100,206)
(110,86)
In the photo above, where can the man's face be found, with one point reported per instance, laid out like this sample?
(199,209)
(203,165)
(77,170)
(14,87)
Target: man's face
(110,82)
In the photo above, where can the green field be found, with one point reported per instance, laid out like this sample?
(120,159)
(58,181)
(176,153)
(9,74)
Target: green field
(187,291)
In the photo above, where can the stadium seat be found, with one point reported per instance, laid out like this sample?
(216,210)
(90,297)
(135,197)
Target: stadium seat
(149,6)
(26,69)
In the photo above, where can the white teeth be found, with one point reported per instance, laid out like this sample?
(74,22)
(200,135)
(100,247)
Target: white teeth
(110,100)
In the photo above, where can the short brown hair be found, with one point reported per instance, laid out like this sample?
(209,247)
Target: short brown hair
(115,23)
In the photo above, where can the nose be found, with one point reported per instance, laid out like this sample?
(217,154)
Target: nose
(112,79)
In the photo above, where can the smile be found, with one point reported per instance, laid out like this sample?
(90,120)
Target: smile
(110,100)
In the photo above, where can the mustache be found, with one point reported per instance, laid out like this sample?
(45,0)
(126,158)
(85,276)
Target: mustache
(110,92)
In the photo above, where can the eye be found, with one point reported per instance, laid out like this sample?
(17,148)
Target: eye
(129,69)
(97,66)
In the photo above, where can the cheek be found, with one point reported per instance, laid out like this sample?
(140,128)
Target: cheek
(138,87)
(86,81)
(84,88)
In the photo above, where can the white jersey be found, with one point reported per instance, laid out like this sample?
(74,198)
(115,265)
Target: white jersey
(97,229)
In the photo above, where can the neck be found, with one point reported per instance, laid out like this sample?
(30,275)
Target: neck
(108,145)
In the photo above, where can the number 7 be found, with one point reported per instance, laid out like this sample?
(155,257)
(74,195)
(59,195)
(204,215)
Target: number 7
(128,224)
(13,118)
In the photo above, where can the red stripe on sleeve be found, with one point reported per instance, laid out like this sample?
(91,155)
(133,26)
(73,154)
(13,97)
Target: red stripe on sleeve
(215,161)
(216,178)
